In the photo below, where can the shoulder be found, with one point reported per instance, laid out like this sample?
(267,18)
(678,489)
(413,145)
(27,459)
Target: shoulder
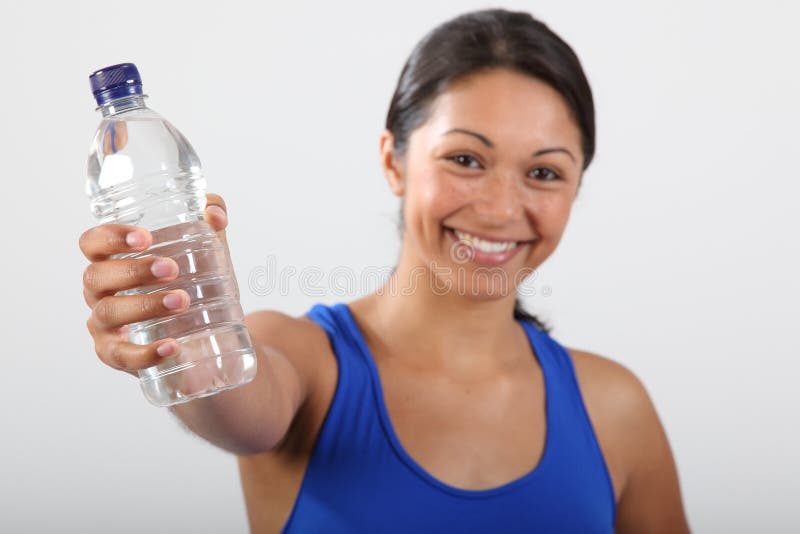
(614,398)
(610,385)
(296,349)
(298,339)
(634,444)
(618,403)
(296,335)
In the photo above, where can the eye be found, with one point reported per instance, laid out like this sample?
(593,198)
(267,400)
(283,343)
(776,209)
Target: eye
(549,175)
(464,160)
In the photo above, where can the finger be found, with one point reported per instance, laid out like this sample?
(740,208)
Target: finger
(115,137)
(108,277)
(113,312)
(217,218)
(90,298)
(100,242)
(216,212)
(115,351)
(213,199)
(121,332)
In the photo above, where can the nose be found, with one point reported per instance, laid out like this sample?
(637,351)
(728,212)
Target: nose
(499,200)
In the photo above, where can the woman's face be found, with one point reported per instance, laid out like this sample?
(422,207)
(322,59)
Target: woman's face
(499,158)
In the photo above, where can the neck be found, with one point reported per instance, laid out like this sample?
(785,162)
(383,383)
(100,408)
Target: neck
(445,329)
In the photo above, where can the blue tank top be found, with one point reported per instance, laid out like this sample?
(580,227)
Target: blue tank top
(360,478)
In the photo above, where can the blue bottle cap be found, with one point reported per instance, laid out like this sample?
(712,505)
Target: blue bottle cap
(116,81)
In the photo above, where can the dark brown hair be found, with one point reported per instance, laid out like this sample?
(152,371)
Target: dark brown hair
(482,40)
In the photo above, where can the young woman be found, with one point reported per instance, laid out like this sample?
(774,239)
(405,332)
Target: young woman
(436,403)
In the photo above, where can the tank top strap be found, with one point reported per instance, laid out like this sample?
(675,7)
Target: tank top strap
(556,367)
(578,454)
(352,412)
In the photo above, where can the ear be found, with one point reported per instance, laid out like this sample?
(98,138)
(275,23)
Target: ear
(392,166)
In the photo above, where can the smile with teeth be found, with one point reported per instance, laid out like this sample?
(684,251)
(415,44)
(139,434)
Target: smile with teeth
(489,247)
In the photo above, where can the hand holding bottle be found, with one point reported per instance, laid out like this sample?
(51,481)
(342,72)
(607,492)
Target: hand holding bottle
(105,277)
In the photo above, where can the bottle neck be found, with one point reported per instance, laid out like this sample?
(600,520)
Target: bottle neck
(120,105)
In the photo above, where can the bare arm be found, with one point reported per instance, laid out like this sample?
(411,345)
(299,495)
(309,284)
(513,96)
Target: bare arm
(634,445)
(651,498)
(255,418)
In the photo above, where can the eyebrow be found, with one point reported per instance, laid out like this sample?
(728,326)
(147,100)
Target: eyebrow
(483,139)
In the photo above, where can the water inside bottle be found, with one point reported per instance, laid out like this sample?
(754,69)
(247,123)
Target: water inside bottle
(215,351)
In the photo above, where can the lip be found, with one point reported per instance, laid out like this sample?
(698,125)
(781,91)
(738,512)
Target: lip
(487,259)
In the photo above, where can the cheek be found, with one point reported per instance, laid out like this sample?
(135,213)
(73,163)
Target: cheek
(436,196)
(550,212)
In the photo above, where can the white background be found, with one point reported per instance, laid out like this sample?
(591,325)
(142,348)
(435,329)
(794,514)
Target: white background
(680,261)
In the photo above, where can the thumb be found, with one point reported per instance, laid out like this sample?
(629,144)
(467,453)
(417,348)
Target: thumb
(216,213)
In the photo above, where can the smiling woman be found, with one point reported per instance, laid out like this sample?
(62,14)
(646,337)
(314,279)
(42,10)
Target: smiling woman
(498,139)
(436,403)
(493,196)
(470,45)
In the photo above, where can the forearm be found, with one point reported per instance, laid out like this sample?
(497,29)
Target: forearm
(249,419)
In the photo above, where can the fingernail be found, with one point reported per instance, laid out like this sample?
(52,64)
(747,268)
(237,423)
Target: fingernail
(217,212)
(134,239)
(173,301)
(163,267)
(166,349)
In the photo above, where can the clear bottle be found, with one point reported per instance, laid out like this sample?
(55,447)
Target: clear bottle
(142,171)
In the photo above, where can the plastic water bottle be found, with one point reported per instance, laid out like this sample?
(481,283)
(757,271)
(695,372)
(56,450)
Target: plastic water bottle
(142,171)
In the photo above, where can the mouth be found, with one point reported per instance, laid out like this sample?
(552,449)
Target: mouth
(483,249)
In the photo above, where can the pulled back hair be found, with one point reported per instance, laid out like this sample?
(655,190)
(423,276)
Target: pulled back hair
(481,40)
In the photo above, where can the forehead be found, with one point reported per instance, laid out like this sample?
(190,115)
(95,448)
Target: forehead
(506,104)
